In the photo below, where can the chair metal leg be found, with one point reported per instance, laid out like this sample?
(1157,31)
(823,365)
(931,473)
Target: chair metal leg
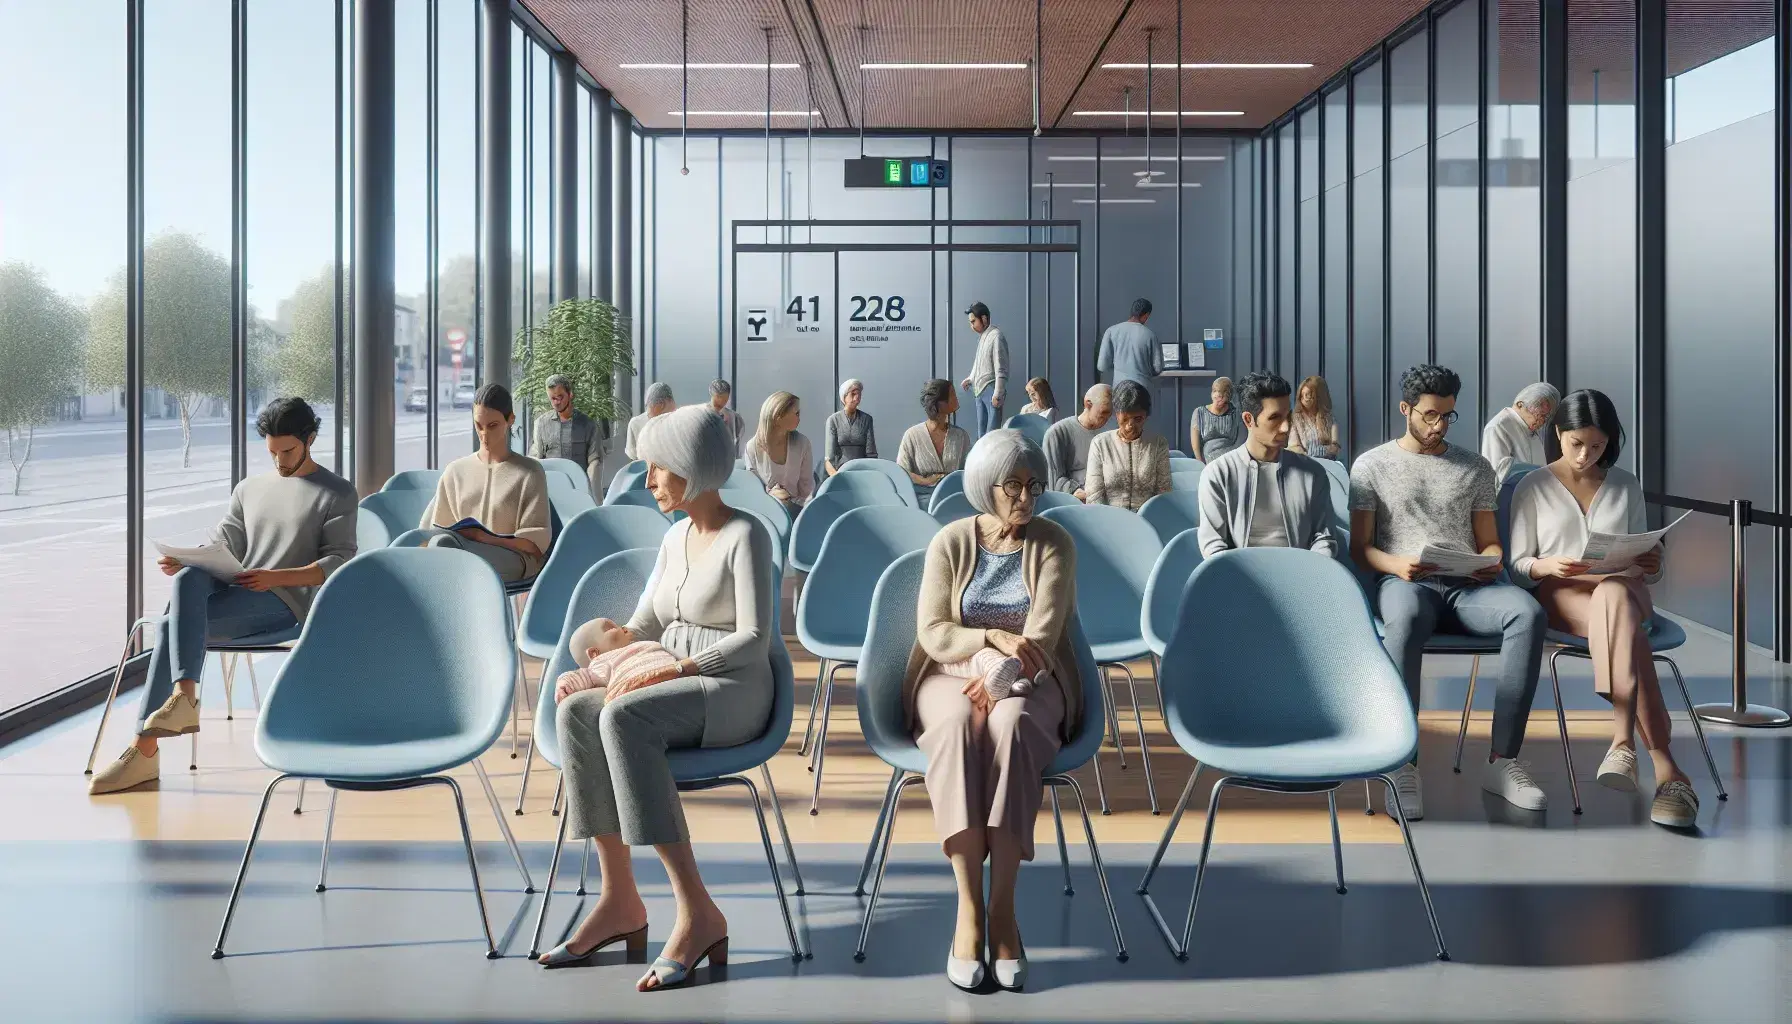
(771,860)
(130,641)
(1157,688)
(1101,789)
(466,835)
(547,893)
(192,751)
(1101,870)
(821,675)
(323,864)
(227,669)
(585,868)
(1144,744)
(883,862)
(765,773)
(522,792)
(559,792)
(1331,798)
(1368,799)
(877,831)
(1467,702)
(1697,729)
(1419,875)
(1113,713)
(1063,850)
(254,683)
(1194,899)
(1555,682)
(1163,844)
(516,852)
(236,890)
(821,739)
(516,707)
(298,806)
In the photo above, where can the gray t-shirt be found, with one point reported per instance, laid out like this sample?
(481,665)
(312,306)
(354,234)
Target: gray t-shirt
(1067,453)
(1129,351)
(289,522)
(1422,499)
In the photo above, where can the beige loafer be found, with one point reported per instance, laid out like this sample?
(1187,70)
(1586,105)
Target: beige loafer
(133,768)
(178,716)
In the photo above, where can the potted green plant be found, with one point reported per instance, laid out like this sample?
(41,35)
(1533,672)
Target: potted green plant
(584,339)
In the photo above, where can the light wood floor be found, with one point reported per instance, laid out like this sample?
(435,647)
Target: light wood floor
(41,785)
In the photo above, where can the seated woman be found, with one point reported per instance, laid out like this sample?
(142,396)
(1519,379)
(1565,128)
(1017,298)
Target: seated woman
(1553,510)
(1314,433)
(709,603)
(1001,579)
(1128,466)
(934,447)
(849,434)
(779,455)
(1216,428)
(1041,401)
(505,493)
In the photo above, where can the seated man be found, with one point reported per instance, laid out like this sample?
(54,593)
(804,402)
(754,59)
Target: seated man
(564,432)
(1515,433)
(1262,495)
(1417,491)
(1067,441)
(292,528)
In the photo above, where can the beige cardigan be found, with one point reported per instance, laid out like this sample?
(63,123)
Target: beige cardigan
(1049,566)
(509,498)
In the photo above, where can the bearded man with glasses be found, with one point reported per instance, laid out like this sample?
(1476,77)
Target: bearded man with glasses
(1421,495)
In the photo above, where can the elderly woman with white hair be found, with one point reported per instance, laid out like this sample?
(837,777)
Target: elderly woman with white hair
(1515,434)
(710,604)
(849,433)
(659,402)
(720,392)
(1005,580)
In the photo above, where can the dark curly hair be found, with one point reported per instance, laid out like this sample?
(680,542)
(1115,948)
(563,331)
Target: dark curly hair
(287,417)
(1429,379)
(1257,385)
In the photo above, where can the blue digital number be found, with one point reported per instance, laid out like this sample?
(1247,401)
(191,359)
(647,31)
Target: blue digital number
(919,173)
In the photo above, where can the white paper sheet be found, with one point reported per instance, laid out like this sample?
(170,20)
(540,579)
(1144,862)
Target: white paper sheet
(1615,552)
(1451,562)
(213,558)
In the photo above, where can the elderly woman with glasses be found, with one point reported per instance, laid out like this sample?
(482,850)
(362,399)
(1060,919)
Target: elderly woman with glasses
(1005,580)
(710,604)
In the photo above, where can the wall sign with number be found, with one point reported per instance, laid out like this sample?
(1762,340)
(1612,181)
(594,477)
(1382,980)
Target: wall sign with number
(873,319)
(803,314)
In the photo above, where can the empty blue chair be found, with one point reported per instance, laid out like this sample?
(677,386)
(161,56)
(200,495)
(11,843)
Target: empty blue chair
(568,470)
(568,503)
(870,485)
(898,477)
(1340,480)
(1030,424)
(1115,551)
(742,478)
(1282,685)
(812,523)
(835,607)
(639,498)
(396,512)
(882,718)
(1185,479)
(768,508)
(1172,513)
(362,712)
(630,477)
(952,508)
(1054,499)
(1177,453)
(413,480)
(371,532)
(1163,592)
(950,484)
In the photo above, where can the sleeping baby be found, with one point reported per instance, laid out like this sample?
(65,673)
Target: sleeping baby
(607,654)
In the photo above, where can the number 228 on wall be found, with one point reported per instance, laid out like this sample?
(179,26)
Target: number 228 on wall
(878,308)
(806,311)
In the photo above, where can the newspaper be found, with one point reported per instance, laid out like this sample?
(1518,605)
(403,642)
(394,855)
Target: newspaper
(1616,552)
(1452,562)
(213,557)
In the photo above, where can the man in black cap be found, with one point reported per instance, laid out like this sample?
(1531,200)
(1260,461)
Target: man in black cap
(989,371)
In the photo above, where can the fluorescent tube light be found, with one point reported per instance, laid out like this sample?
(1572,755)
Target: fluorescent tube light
(1207,67)
(1156,113)
(705,67)
(1065,184)
(941,66)
(1133,159)
(1104,202)
(1166,184)
(743,113)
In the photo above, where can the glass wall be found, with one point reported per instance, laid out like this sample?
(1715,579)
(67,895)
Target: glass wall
(1456,316)
(1514,200)
(1409,236)
(1335,256)
(1368,271)
(1308,339)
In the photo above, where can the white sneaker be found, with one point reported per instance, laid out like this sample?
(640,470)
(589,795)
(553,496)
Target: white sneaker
(1412,795)
(1675,806)
(1510,780)
(1618,770)
(133,768)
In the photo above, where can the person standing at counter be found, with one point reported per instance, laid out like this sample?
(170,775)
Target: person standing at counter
(1129,349)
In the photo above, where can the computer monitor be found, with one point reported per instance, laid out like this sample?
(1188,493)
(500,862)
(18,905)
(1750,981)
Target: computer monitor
(1172,355)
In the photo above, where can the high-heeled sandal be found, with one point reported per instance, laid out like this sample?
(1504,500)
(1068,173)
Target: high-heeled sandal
(563,956)
(672,974)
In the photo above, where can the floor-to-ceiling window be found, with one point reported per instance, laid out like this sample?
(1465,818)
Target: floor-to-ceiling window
(457,202)
(1367,204)
(1335,257)
(1514,200)
(1307,350)
(1456,248)
(1409,243)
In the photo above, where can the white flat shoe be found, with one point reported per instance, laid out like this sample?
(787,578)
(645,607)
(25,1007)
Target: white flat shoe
(966,974)
(1618,770)
(1010,974)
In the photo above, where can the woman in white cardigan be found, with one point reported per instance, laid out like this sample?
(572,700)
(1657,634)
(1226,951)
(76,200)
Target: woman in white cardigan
(1553,510)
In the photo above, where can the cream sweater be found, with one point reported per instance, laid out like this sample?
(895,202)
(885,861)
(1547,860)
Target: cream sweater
(509,497)
(1126,474)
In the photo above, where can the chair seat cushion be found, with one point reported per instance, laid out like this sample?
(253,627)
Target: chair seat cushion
(1452,643)
(1664,635)
(1316,760)
(356,762)
(1125,649)
(272,638)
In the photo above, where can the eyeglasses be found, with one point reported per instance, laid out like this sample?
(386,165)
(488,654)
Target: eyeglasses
(1014,488)
(1432,417)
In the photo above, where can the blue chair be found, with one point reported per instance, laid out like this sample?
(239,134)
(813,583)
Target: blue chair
(1172,513)
(870,485)
(570,471)
(1163,592)
(1283,686)
(883,720)
(589,538)
(1177,453)
(767,507)
(362,713)
(413,480)
(1184,479)
(629,478)
(952,508)
(1340,490)
(395,512)
(611,589)
(835,607)
(639,498)
(568,503)
(1054,499)
(812,523)
(1032,425)
(950,484)
(1115,552)
(898,477)
(740,478)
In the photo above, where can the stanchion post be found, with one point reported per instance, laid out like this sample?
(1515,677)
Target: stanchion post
(1739,711)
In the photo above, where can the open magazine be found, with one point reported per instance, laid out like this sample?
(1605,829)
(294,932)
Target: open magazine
(213,557)
(1453,562)
(1615,552)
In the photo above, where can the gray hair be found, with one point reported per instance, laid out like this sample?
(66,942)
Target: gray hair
(934,394)
(1538,397)
(693,443)
(717,387)
(848,384)
(1131,396)
(560,380)
(658,394)
(1098,394)
(993,460)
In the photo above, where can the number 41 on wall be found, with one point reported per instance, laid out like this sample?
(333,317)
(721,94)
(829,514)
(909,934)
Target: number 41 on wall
(796,308)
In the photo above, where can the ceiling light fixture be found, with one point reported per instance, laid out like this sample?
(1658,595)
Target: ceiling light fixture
(1156,113)
(1208,67)
(1166,184)
(940,66)
(1065,184)
(706,67)
(742,113)
(1141,174)
(1105,202)
(1132,159)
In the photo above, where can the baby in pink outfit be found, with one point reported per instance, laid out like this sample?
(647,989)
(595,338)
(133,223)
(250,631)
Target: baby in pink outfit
(1001,673)
(606,655)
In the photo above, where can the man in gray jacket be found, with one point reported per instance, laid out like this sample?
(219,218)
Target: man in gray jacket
(1260,494)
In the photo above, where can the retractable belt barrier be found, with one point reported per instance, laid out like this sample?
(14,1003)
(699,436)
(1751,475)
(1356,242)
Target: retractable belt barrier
(1740,514)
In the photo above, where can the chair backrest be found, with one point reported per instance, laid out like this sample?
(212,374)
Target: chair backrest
(874,486)
(570,470)
(1180,558)
(898,477)
(950,484)
(1170,514)
(609,589)
(1277,646)
(953,508)
(413,480)
(1340,479)
(836,600)
(371,532)
(1115,551)
(1186,479)
(588,538)
(630,477)
(776,516)
(1032,425)
(1503,515)
(568,503)
(1177,453)
(812,523)
(1054,499)
(448,678)
(740,478)
(395,511)
(638,498)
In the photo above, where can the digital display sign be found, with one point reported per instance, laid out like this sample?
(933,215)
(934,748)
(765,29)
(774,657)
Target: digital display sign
(898,172)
